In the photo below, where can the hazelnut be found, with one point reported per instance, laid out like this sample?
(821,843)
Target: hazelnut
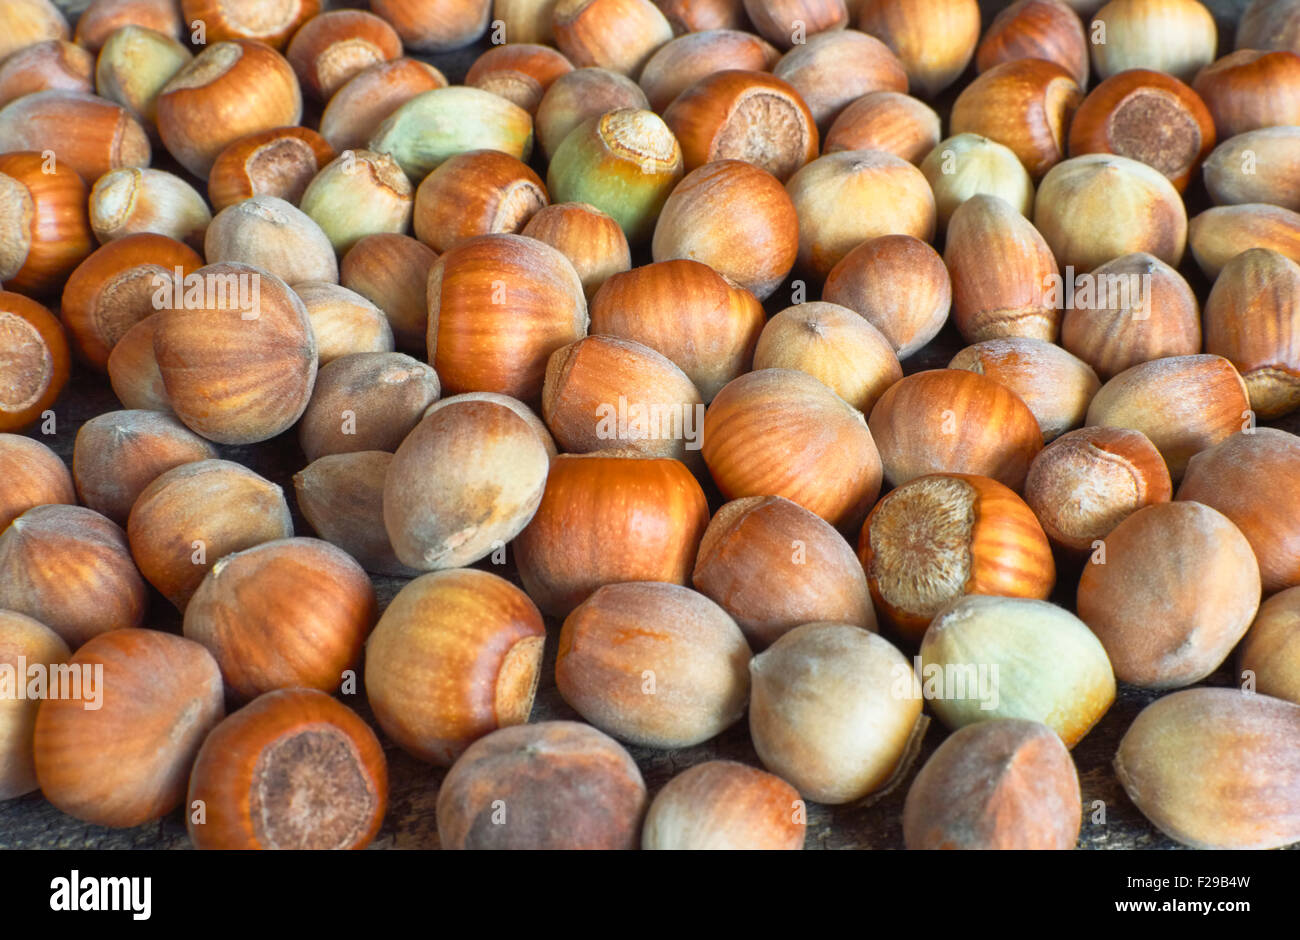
(744,115)
(899,285)
(528,20)
(1184,404)
(935,39)
(1047,666)
(1139,309)
(1218,235)
(365,401)
(834,345)
(482,192)
(1088,481)
(119,453)
(777,432)
(462,484)
(70,568)
(581,536)
(361,193)
(356,110)
(1036,29)
(592,241)
(44,229)
(134,66)
(23,641)
(1173,36)
(271,234)
(499,305)
(1258,166)
(343,322)
(610,34)
(131,201)
(1269,24)
(693,16)
(284,614)
(436,25)
(456,655)
(885,120)
(682,62)
(1252,318)
(1186,751)
(788,22)
(34,476)
(687,312)
(333,47)
(125,762)
(1271,648)
(279,162)
(724,805)
(970,165)
(1251,477)
(530,417)
(293,769)
(942,536)
(31,21)
(1095,208)
(1250,89)
(773,565)
(653,664)
(342,498)
(832,69)
(34,361)
(519,72)
(1003,272)
(576,96)
(557,784)
(392,272)
(1001,784)
(824,714)
(1055,385)
(107,135)
(133,369)
(104,18)
(237,369)
(735,217)
(44,66)
(954,421)
(1174,589)
(250,19)
(194,514)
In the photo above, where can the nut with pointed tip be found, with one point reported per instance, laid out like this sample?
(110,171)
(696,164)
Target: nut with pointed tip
(832,69)
(278,162)
(132,201)
(483,192)
(969,165)
(592,241)
(1258,166)
(271,234)
(725,805)
(34,364)
(530,417)
(34,476)
(1036,29)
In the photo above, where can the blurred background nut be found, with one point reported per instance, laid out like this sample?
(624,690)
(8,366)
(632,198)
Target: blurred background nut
(34,476)
(1270,24)
(1249,89)
(1218,235)
(885,120)
(1029,660)
(773,565)
(250,19)
(653,664)
(832,69)
(31,21)
(970,165)
(785,23)
(435,25)
(942,536)
(1271,648)
(680,63)
(482,192)
(194,514)
(361,104)
(43,66)
(70,568)
(824,713)
(333,47)
(1036,29)
(519,72)
(934,39)
(592,241)
(689,16)
(456,655)
(392,272)
(343,323)
(724,805)
(1007,784)
(1258,166)
(1088,481)
(23,641)
(1175,588)
(1173,36)
(612,34)
(278,162)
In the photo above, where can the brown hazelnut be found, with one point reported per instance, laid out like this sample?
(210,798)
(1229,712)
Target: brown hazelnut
(44,66)
(694,16)
(1249,89)
(35,361)
(685,60)
(249,19)
(34,476)
(25,644)
(133,369)
(832,69)
(31,21)
(592,241)
(934,39)
(107,135)
(611,34)
(519,72)
(1218,235)
(579,95)
(342,321)
(1269,24)
(271,234)
(724,805)
(279,162)
(1258,166)
(336,45)
(435,25)
(788,22)
(483,192)
(885,120)
(1271,649)
(356,110)
(44,229)
(1036,29)
(392,272)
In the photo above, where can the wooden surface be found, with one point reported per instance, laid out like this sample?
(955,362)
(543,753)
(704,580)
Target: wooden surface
(31,822)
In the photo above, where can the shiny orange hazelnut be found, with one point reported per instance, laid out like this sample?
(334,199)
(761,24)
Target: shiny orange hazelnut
(954,421)
(773,565)
(293,613)
(1249,89)
(44,228)
(735,217)
(482,192)
(293,769)
(1184,404)
(1150,117)
(885,120)
(361,104)
(131,201)
(722,804)
(271,23)
(104,17)
(1002,272)
(1251,477)
(834,345)
(579,95)
(435,25)
(941,536)
(31,21)
(126,762)
(456,655)
(334,46)
(899,284)
(107,135)
(777,432)
(48,65)
(1055,385)
(1024,104)
(685,60)
(25,644)
(1088,481)
(740,115)
(1173,36)
(133,369)
(392,272)
(119,453)
(606,518)
(1138,309)
(788,22)
(1218,235)
(70,568)
(34,476)
(686,311)
(592,240)
(230,90)
(519,72)
(694,16)
(611,34)
(276,162)
(1036,29)
(34,361)
(934,39)
(196,513)
(499,305)
(832,69)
